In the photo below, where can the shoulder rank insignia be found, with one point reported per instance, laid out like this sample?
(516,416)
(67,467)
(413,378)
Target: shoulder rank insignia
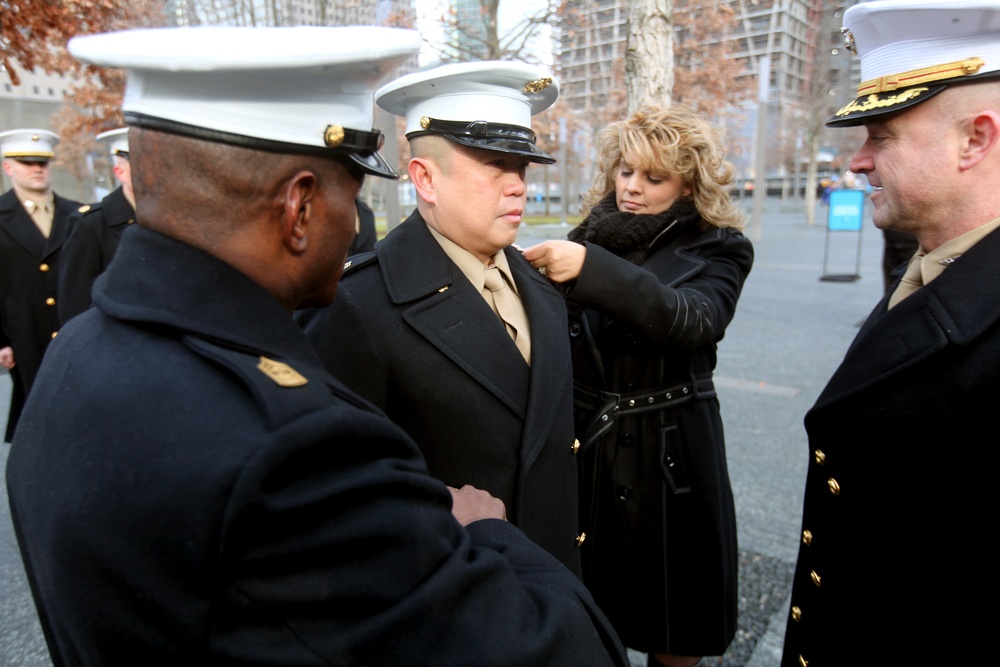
(84,208)
(282,374)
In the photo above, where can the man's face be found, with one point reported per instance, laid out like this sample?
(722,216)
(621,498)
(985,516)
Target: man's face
(31,178)
(908,157)
(123,171)
(480,198)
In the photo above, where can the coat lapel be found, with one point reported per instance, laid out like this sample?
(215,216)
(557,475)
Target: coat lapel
(954,309)
(551,365)
(443,307)
(20,226)
(60,225)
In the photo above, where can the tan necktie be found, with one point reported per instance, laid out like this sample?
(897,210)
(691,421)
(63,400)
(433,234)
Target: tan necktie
(911,281)
(41,213)
(509,309)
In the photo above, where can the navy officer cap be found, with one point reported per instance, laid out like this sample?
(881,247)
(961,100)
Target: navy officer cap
(298,90)
(911,50)
(486,105)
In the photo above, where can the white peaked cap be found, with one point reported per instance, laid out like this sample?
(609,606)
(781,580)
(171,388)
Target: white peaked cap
(116,141)
(485,105)
(911,50)
(29,145)
(289,90)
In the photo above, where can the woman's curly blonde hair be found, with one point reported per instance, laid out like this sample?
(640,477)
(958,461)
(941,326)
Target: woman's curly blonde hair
(674,140)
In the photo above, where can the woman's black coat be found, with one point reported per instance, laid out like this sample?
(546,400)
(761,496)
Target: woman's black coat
(657,507)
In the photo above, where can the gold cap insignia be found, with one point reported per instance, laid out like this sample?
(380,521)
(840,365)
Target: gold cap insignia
(849,41)
(924,75)
(537,86)
(334,135)
(425,122)
(35,137)
(282,374)
(873,102)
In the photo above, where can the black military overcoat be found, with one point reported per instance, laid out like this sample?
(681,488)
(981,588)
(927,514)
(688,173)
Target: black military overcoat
(93,239)
(29,290)
(894,561)
(409,332)
(206,494)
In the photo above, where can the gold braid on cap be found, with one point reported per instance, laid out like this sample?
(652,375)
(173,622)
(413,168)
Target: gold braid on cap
(873,101)
(917,77)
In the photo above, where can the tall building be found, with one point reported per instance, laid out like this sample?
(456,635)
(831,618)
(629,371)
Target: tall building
(287,13)
(798,40)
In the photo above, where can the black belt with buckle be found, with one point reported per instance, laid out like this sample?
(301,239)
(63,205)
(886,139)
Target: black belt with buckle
(610,405)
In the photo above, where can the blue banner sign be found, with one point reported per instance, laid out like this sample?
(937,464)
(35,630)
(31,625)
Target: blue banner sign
(847,209)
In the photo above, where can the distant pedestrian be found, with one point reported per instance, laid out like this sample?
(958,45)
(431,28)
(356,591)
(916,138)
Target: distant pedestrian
(894,564)
(652,277)
(34,224)
(96,230)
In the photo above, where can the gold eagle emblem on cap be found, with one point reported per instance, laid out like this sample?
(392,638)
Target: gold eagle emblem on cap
(334,135)
(849,41)
(537,86)
(282,374)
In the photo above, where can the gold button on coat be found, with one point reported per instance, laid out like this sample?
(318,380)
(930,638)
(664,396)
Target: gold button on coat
(818,580)
(50,301)
(820,456)
(834,486)
(43,268)
(803,662)
(575,446)
(796,614)
(581,538)
(807,537)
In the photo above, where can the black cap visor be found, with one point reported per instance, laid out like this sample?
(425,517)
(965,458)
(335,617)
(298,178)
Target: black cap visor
(369,160)
(29,157)
(868,106)
(510,139)
(864,108)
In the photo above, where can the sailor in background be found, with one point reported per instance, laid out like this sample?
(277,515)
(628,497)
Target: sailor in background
(34,224)
(95,231)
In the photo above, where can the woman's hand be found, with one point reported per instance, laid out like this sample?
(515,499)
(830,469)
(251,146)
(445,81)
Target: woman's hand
(559,261)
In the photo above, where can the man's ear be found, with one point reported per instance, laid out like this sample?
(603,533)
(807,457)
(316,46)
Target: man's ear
(980,140)
(6,167)
(422,172)
(298,194)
